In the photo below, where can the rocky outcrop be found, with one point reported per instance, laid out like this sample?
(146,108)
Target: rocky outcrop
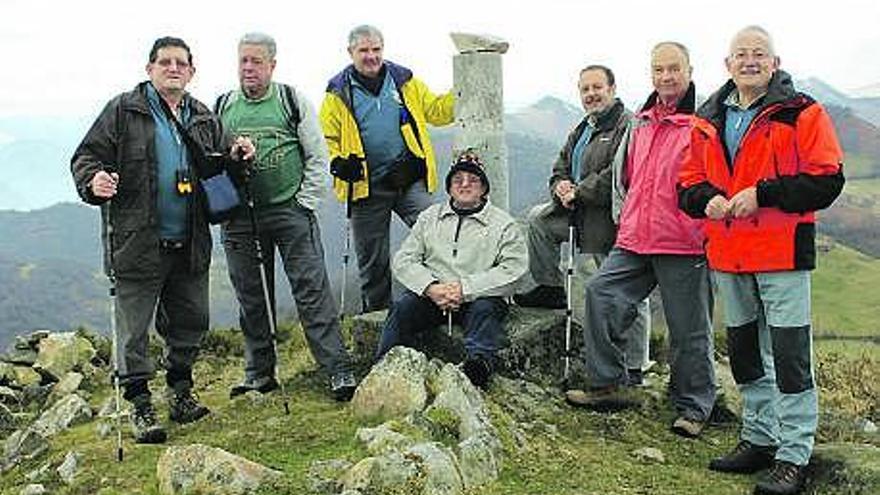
(442,443)
(67,412)
(197,468)
(59,353)
(535,347)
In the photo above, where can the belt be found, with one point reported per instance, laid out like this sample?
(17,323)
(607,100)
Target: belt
(171,244)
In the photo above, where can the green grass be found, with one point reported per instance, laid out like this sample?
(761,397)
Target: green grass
(571,452)
(846,300)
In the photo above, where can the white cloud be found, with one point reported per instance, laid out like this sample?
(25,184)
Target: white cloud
(57,66)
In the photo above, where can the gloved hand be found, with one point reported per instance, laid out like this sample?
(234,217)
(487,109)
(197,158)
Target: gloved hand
(349,169)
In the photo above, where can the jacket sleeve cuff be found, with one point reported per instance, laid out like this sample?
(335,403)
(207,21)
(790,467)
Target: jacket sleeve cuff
(769,192)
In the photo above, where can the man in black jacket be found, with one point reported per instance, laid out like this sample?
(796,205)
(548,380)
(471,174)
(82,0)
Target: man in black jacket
(580,187)
(135,163)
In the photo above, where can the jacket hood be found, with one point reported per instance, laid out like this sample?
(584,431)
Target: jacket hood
(686,104)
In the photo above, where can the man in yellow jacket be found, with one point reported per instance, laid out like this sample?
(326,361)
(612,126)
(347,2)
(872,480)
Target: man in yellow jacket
(375,117)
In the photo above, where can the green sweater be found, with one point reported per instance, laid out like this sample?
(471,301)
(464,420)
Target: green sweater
(279,164)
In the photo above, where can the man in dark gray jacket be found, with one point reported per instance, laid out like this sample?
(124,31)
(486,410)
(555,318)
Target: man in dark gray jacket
(580,190)
(137,165)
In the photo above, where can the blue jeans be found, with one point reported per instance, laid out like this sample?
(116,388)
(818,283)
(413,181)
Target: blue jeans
(410,315)
(770,344)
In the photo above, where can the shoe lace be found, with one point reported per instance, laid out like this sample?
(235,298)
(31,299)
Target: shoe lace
(186,401)
(785,472)
(145,414)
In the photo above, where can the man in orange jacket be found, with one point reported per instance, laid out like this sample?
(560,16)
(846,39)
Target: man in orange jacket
(763,159)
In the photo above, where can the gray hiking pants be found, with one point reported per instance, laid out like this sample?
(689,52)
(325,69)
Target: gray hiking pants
(371,223)
(547,231)
(179,299)
(294,231)
(612,295)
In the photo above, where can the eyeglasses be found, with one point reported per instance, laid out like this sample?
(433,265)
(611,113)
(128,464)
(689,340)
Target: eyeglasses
(167,62)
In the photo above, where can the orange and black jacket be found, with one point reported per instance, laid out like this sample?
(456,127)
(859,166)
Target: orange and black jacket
(790,153)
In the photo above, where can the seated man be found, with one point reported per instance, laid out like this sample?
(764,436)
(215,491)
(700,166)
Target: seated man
(464,257)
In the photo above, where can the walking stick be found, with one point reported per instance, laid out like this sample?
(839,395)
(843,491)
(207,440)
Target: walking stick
(114,333)
(449,321)
(270,315)
(347,253)
(569,280)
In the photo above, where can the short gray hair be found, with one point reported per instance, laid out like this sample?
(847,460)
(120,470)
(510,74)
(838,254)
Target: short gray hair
(364,31)
(259,39)
(754,28)
(675,44)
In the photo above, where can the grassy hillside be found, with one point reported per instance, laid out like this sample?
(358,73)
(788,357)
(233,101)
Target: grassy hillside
(846,300)
(549,447)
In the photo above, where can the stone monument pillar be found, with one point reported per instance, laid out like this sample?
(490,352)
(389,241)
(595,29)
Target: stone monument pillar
(479,107)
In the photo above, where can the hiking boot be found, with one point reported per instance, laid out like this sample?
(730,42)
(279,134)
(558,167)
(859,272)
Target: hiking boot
(784,478)
(745,458)
(184,408)
(542,296)
(342,386)
(687,427)
(605,399)
(635,378)
(478,371)
(144,422)
(263,385)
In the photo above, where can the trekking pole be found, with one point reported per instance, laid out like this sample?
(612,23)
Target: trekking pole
(270,315)
(114,334)
(449,321)
(569,280)
(347,253)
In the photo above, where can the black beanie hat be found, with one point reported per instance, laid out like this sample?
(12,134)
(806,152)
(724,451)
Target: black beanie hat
(468,162)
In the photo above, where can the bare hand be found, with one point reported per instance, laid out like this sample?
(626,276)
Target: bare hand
(243,148)
(447,296)
(454,294)
(744,203)
(717,208)
(564,191)
(104,184)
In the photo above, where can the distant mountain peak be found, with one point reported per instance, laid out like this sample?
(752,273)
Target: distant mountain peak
(553,104)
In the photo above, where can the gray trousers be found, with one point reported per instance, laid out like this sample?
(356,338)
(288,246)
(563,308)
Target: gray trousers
(612,296)
(371,223)
(771,355)
(179,299)
(547,231)
(294,231)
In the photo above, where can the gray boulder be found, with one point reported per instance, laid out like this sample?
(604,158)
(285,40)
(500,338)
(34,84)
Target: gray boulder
(63,352)
(7,420)
(68,469)
(67,412)
(197,468)
(68,384)
(21,445)
(382,439)
(33,489)
(394,387)
(25,376)
(323,476)
(534,349)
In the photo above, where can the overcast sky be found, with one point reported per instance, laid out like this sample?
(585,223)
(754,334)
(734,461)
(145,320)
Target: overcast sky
(70,57)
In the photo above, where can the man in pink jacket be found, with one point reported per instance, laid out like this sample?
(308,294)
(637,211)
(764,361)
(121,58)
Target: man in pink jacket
(656,244)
